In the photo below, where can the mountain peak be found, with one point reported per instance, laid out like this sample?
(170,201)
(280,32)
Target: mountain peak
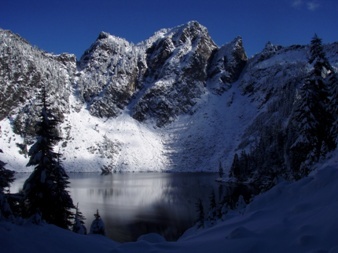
(104,36)
(270,48)
(209,101)
(193,24)
(193,29)
(104,47)
(226,65)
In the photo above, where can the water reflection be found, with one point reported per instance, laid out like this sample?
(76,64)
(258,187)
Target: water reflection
(132,204)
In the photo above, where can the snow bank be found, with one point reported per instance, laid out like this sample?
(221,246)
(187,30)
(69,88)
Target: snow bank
(291,217)
(48,238)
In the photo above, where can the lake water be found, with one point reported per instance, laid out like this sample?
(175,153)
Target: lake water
(132,204)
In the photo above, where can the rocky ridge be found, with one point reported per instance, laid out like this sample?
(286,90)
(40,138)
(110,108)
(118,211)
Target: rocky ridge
(197,103)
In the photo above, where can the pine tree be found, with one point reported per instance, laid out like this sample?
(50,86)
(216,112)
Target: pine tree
(200,214)
(45,190)
(6,178)
(240,167)
(333,107)
(212,199)
(241,204)
(318,57)
(320,78)
(97,226)
(212,207)
(235,168)
(220,171)
(306,123)
(79,225)
(312,119)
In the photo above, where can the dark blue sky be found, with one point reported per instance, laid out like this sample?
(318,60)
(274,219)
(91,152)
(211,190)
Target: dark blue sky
(73,25)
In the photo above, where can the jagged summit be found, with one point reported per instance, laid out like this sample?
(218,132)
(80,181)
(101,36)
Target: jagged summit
(175,101)
(226,65)
(192,30)
(103,35)
(171,61)
(192,26)
(176,64)
(105,46)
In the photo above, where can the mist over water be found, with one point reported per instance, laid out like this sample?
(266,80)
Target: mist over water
(132,204)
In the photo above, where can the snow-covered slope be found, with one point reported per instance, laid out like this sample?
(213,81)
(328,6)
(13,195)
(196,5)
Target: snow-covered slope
(292,217)
(174,102)
(120,144)
(191,143)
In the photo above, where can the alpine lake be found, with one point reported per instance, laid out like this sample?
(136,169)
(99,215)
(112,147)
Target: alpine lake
(133,204)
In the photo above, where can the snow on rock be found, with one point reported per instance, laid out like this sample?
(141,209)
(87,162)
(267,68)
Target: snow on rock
(108,74)
(23,68)
(226,65)
(174,102)
(191,143)
(176,73)
(121,144)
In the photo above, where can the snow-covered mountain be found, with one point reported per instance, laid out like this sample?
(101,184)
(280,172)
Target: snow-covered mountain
(175,102)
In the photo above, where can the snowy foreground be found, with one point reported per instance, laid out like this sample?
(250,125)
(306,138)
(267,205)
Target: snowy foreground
(292,217)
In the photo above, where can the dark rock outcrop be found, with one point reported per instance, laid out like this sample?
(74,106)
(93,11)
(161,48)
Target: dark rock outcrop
(226,65)
(176,74)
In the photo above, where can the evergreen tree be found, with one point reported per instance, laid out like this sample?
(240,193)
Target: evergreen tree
(333,107)
(6,178)
(45,190)
(200,214)
(240,167)
(213,212)
(235,169)
(317,54)
(220,170)
(312,120)
(212,199)
(318,87)
(241,204)
(97,226)
(79,225)
(306,125)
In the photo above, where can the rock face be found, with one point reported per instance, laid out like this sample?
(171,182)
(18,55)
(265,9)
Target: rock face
(176,73)
(188,101)
(23,69)
(226,65)
(157,80)
(166,74)
(109,74)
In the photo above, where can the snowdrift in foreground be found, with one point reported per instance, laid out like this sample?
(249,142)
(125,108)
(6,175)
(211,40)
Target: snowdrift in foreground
(292,217)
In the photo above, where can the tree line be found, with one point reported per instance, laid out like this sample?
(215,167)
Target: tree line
(288,148)
(45,196)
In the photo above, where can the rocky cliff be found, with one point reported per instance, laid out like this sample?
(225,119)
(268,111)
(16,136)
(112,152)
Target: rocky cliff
(175,101)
